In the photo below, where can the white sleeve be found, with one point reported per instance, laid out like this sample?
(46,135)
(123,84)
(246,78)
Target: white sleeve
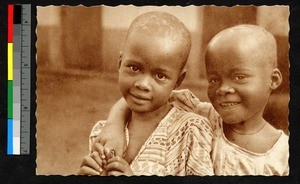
(97,128)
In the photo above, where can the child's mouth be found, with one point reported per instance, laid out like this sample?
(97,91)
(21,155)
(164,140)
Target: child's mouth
(229,104)
(140,99)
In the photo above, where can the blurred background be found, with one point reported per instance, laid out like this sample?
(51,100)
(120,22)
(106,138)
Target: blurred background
(77,63)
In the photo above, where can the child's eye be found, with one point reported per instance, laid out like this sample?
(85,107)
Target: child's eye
(213,80)
(134,68)
(240,77)
(160,76)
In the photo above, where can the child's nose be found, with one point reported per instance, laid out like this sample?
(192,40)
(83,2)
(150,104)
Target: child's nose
(224,89)
(144,83)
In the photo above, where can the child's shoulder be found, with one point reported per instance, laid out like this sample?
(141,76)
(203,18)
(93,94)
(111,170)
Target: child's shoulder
(191,119)
(283,141)
(275,139)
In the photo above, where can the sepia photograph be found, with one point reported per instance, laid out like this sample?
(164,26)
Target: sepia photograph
(162,90)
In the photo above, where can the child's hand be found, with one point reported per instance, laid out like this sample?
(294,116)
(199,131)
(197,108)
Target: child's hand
(108,139)
(117,166)
(184,99)
(113,135)
(99,148)
(91,165)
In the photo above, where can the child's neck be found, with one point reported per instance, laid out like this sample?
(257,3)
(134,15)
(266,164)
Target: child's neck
(255,135)
(151,116)
(251,126)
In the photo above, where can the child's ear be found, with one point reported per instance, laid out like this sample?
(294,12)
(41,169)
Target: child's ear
(180,78)
(276,78)
(120,58)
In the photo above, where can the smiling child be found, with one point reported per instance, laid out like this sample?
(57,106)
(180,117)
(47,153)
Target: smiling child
(161,139)
(241,66)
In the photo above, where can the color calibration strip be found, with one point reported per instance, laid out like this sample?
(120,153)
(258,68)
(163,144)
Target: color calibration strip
(19,41)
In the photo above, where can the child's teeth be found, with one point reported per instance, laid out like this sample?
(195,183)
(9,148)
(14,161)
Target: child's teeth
(228,104)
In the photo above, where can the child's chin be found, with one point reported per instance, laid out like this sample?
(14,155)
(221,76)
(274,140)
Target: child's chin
(229,120)
(139,109)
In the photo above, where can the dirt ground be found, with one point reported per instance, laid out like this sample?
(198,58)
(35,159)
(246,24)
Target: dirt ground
(67,108)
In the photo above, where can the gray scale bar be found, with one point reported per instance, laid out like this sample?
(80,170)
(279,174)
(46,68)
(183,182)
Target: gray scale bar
(25,79)
(25,133)
(25,89)
(26,43)
(26,14)
(17,86)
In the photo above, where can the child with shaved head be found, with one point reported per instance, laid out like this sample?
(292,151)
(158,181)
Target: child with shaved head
(161,139)
(241,67)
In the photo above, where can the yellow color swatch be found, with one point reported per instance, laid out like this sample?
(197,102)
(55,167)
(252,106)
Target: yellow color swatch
(10,61)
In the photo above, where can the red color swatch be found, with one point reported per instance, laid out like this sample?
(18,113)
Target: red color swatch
(10,23)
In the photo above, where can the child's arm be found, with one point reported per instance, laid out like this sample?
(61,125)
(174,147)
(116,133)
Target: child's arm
(113,135)
(186,100)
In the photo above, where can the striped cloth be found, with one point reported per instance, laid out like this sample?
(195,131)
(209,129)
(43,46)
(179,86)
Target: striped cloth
(180,145)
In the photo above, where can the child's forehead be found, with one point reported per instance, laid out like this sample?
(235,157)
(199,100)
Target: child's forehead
(247,36)
(143,42)
(155,52)
(252,44)
(238,55)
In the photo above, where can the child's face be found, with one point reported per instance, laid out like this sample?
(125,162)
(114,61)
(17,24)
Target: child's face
(149,71)
(239,82)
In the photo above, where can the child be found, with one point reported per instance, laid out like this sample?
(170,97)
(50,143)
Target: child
(161,139)
(241,65)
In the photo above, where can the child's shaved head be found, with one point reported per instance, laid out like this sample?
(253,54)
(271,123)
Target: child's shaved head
(246,39)
(241,70)
(164,26)
(152,62)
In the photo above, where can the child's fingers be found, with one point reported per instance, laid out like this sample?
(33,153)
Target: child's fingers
(118,147)
(183,97)
(95,155)
(115,173)
(116,164)
(85,170)
(100,149)
(187,99)
(194,100)
(109,153)
(117,159)
(90,162)
(185,107)
(102,141)
(96,140)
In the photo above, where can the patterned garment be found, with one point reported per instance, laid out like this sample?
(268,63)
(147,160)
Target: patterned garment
(180,145)
(231,159)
